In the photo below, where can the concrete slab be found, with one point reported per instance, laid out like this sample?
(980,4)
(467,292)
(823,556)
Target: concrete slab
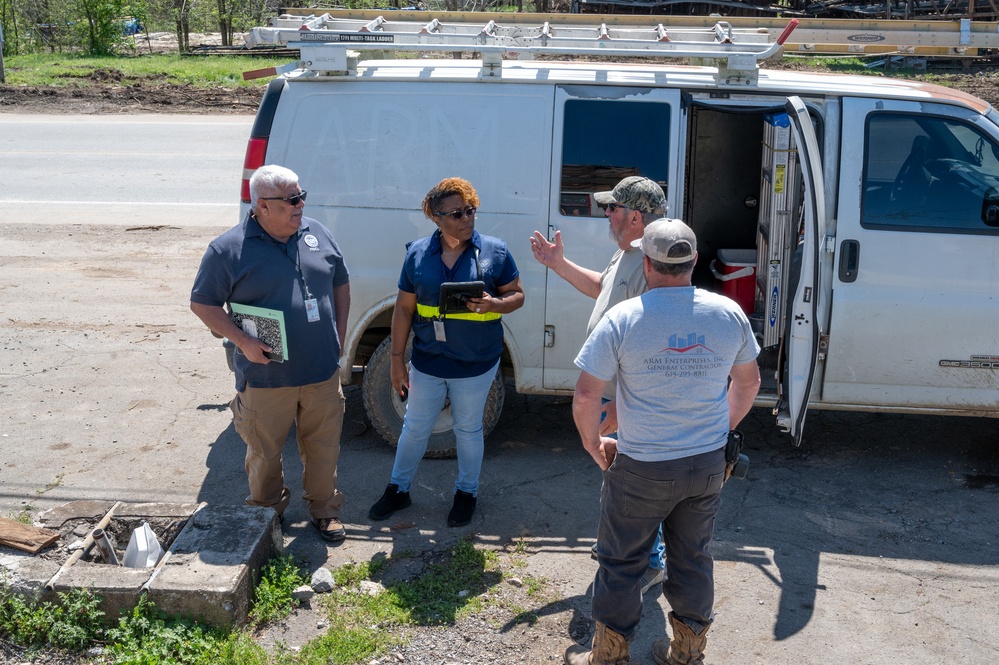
(215,563)
(208,572)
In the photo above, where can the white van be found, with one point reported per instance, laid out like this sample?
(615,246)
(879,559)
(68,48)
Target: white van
(868,207)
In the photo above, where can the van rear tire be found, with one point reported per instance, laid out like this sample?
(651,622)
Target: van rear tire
(386,411)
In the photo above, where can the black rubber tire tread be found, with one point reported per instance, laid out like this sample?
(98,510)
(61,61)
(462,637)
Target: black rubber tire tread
(380,404)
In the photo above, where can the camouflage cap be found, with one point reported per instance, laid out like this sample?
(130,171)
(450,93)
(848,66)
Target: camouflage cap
(663,235)
(637,193)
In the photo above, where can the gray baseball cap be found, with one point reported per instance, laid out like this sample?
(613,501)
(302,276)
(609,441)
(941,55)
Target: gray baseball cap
(637,193)
(663,235)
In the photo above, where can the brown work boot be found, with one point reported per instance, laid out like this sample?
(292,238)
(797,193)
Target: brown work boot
(609,648)
(686,647)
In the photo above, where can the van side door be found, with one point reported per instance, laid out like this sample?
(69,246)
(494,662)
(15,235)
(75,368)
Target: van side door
(602,134)
(796,366)
(916,284)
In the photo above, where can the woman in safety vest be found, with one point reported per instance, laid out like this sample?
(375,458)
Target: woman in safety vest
(455,285)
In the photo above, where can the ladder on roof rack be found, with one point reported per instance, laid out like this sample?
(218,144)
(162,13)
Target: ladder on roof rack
(323,41)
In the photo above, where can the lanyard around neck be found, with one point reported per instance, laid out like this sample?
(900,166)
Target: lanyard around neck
(297,261)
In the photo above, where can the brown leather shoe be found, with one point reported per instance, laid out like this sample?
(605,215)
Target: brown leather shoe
(330,529)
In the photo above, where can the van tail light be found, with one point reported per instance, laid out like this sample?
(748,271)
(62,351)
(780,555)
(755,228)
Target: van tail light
(256,151)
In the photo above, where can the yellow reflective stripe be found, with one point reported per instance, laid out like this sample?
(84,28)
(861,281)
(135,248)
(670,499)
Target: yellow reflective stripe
(426,311)
(431,312)
(472,316)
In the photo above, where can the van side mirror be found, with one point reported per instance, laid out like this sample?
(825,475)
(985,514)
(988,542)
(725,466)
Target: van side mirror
(990,208)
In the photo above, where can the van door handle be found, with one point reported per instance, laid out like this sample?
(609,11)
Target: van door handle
(849,260)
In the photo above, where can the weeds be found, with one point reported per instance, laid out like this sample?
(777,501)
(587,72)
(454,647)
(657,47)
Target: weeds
(54,483)
(71,624)
(145,636)
(272,599)
(366,621)
(24,515)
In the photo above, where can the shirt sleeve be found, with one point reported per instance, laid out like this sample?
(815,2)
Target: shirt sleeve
(598,357)
(407,274)
(508,271)
(341,275)
(213,283)
(750,347)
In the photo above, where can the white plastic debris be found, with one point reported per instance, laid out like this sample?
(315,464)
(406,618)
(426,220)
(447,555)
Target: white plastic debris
(143,549)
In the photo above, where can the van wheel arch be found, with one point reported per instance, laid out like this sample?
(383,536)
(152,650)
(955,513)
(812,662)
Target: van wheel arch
(386,411)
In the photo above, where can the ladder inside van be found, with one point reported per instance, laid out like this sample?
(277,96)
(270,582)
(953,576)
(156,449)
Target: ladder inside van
(323,42)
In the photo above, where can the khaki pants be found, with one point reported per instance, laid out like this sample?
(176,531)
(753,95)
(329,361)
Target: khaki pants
(263,416)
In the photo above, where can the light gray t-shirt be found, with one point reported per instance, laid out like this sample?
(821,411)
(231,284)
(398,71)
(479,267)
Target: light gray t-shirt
(670,351)
(621,279)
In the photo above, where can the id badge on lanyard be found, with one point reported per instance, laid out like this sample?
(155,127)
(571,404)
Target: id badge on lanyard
(312,309)
(439,334)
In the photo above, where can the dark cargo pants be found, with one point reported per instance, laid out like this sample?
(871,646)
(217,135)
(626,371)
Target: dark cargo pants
(636,497)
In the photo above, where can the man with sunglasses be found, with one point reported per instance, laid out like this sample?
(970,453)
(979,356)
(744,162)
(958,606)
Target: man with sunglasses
(633,203)
(281,261)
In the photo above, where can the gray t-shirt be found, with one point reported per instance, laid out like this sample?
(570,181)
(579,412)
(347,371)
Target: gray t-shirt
(670,351)
(621,279)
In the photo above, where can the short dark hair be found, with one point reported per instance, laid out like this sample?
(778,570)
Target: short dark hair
(445,188)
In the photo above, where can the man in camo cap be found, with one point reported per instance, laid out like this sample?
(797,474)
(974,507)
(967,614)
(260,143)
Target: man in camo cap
(634,203)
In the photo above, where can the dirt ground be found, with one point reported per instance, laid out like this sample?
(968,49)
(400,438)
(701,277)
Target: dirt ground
(875,542)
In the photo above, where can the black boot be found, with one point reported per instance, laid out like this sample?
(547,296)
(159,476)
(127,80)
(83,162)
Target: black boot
(462,510)
(391,501)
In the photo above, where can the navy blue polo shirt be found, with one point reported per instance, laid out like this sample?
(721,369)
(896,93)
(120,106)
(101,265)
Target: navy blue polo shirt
(246,266)
(472,347)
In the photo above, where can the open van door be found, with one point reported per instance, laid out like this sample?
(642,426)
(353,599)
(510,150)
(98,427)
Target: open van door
(799,349)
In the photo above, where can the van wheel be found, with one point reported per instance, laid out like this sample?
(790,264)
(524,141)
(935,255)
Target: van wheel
(386,410)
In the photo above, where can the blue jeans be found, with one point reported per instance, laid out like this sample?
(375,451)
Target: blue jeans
(658,549)
(682,497)
(427,395)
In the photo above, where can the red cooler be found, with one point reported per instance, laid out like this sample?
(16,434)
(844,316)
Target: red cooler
(735,271)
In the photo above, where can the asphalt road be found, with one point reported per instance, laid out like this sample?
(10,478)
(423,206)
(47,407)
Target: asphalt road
(875,542)
(126,170)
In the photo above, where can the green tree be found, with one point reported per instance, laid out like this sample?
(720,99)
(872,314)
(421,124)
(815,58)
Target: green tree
(101,31)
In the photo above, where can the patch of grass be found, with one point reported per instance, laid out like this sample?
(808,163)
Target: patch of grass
(63,69)
(56,482)
(272,599)
(446,592)
(535,586)
(363,625)
(23,516)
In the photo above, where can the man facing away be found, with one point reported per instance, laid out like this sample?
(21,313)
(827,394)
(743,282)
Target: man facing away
(633,203)
(276,259)
(673,352)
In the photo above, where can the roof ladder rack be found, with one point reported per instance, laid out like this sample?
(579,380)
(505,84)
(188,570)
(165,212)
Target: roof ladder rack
(323,42)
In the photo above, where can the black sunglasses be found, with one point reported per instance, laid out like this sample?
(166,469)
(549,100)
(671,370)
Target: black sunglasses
(292,200)
(613,207)
(457,215)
